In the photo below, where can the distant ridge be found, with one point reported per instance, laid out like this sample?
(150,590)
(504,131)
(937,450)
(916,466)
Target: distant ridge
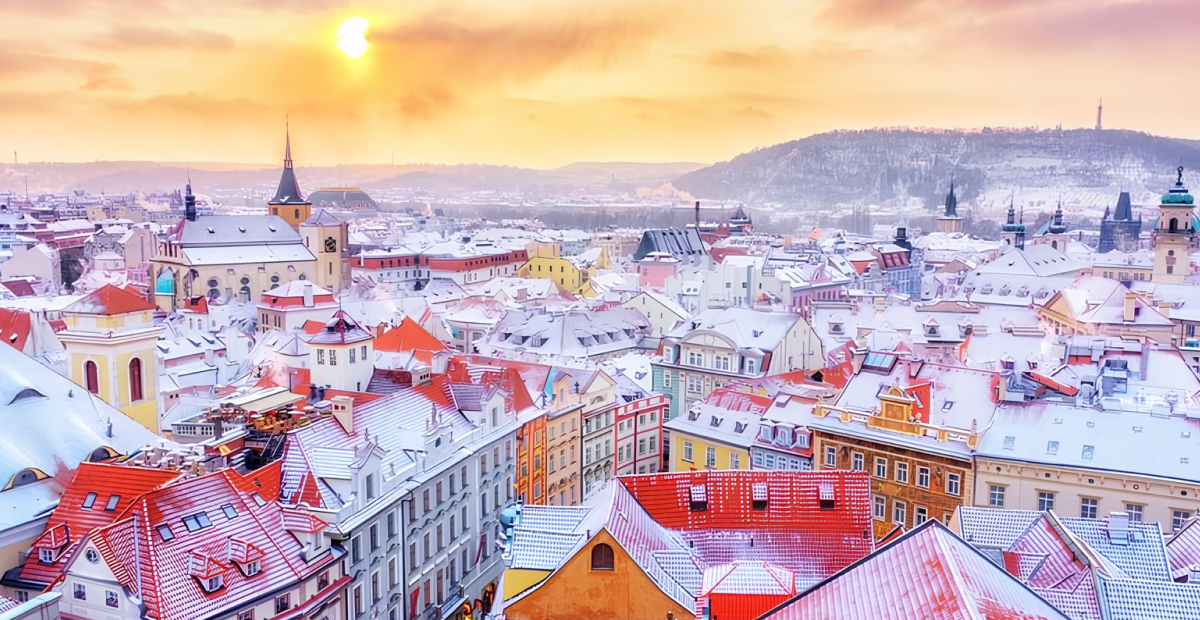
(877,166)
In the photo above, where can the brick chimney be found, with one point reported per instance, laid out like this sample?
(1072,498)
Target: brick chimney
(1130,312)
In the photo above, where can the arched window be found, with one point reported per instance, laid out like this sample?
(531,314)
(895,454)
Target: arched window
(1173,225)
(91,377)
(602,557)
(135,379)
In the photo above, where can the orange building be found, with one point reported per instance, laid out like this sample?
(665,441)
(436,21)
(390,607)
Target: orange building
(531,459)
(601,582)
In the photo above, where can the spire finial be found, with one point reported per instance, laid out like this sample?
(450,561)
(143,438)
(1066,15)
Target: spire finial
(1179,180)
(287,149)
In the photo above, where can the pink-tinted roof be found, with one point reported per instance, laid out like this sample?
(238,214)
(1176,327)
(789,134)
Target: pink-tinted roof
(20,288)
(109,300)
(1183,550)
(164,573)
(928,573)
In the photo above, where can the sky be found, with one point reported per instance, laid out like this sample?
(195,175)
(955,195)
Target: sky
(543,83)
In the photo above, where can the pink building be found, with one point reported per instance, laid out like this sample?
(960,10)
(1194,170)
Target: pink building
(654,270)
(639,434)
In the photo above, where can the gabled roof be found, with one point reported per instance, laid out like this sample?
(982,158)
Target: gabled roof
(408,336)
(928,573)
(164,571)
(88,503)
(341,329)
(109,300)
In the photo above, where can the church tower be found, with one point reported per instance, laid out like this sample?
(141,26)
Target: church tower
(1173,234)
(1012,233)
(950,222)
(327,236)
(288,202)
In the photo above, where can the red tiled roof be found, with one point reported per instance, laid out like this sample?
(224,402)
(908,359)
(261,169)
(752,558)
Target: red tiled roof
(311,327)
(20,288)
(409,336)
(164,573)
(928,573)
(198,305)
(14,328)
(104,481)
(109,300)
(794,502)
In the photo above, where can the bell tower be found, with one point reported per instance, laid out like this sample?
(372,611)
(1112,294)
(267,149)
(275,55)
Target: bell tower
(1173,234)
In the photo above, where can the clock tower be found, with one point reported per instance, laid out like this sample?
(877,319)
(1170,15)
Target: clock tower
(327,236)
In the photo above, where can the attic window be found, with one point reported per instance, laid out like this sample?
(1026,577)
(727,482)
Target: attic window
(112,503)
(196,522)
(826,496)
(759,496)
(214,583)
(1051,447)
(1010,442)
(46,556)
(164,532)
(211,231)
(715,421)
(271,228)
(739,427)
(699,497)
(89,500)
(252,568)
(229,511)
(1088,451)
(948,405)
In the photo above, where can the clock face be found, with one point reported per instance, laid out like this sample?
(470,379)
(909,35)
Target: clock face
(330,244)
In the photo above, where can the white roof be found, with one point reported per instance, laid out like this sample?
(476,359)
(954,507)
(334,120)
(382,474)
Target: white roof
(748,329)
(238,254)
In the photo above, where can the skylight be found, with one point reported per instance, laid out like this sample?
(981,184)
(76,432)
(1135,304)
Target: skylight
(229,511)
(1051,447)
(164,532)
(196,522)
(1088,451)
(89,501)
(1010,442)
(112,503)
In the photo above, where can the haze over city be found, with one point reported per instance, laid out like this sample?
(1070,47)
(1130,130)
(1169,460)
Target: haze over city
(543,84)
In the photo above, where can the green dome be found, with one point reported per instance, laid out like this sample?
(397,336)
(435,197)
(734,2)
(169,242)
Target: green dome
(1177,199)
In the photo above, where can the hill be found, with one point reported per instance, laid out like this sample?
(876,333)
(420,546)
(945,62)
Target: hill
(903,166)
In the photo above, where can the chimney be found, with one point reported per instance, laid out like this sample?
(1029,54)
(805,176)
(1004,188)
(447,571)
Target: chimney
(1164,307)
(343,412)
(1118,528)
(697,217)
(308,294)
(1130,307)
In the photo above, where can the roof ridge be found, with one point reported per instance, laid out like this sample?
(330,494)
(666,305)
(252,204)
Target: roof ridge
(954,569)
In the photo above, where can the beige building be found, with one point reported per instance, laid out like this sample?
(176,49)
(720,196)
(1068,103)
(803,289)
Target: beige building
(227,257)
(1090,461)
(563,440)
(328,237)
(1173,235)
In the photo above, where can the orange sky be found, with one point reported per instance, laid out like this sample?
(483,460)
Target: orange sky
(544,83)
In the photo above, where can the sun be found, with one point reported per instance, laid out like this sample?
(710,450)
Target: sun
(352,36)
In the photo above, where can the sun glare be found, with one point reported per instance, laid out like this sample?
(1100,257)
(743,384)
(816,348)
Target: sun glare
(352,36)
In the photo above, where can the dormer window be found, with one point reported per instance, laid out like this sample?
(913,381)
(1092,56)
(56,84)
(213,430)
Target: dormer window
(252,568)
(835,327)
(827,500)
(46,556)
(214,583)
(699,497)
(759,496)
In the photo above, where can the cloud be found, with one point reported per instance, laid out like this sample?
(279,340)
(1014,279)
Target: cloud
(95,75)
(126,38)
(900,14)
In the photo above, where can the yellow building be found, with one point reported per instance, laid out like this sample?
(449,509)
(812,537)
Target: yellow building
(572,274)
(111,339)
(711,437)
